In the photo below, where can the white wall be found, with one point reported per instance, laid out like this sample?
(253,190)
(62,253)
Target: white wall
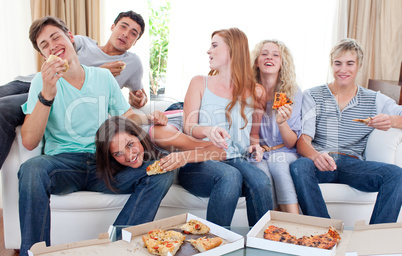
(306,27)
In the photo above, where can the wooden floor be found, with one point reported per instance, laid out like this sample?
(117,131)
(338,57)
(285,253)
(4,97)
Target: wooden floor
(3,251)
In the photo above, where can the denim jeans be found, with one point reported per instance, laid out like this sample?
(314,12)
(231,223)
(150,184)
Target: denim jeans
(12,96)
(367,176)
(224,182)
(41,176)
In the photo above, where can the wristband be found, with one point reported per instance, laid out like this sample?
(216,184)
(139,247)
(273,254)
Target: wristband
(44,101)
(192,128)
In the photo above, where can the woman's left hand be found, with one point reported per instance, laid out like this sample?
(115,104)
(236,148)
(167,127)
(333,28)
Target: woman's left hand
(283,114)
(173,161)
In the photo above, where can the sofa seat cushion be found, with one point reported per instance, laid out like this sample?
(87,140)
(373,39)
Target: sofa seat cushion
(341,193)
(87,201)
(178,197)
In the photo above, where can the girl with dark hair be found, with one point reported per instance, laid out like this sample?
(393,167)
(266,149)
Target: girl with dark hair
(121,143)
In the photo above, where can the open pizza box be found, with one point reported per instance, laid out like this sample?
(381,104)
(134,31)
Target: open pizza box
(99,247)
(378,239)
(297,225)
(231,240)
(131,243)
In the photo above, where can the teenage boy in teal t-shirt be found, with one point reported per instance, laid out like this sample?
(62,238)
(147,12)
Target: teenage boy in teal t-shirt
(66,107)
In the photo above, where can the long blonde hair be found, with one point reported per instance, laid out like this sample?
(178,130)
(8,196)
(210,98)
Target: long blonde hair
(240,69)
(287,75)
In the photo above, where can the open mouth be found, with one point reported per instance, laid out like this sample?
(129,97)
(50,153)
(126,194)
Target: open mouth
(269,64)
(134,160)
(58,53)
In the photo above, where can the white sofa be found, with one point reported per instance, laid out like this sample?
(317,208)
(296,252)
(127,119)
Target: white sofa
(83,215)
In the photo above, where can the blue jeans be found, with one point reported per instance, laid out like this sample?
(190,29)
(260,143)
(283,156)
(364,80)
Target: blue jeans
(224,182)
(41,176)
(12,96)
(367,176)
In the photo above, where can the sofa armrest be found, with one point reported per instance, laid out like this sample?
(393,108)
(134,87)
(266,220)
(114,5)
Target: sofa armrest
(385,146)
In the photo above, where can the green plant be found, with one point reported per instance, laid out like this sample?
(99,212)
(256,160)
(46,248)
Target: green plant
(159,42)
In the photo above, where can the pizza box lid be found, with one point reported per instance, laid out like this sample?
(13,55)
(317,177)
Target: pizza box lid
(100,247)
(377,239)
(232,241)
(297,225)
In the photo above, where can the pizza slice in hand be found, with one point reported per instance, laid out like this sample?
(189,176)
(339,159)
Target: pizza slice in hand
(203,244)
(155,168)
(364,121)
(281,100)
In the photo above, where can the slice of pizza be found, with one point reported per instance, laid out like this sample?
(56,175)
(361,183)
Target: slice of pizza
(279,234)
(323,241)
(281,100)
(161,242)
(203,244)
(363,121)
(195,227)
(155,168)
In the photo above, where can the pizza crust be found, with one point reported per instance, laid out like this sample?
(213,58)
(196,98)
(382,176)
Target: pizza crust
(52,57)
(203,244)
(364,121)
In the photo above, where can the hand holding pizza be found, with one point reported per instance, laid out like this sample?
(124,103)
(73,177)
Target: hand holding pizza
(173,161)
(283,114)
(324,162)
(115,67)
(380,122)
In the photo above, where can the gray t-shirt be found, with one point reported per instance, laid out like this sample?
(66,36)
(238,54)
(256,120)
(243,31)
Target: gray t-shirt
(89,54)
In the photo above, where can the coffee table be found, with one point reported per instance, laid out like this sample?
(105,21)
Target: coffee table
(116,235)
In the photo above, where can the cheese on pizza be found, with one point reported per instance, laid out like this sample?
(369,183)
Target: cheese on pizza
(203,244)
(280,100)
(155,168)
(195,227)
(160,242)
(323,241)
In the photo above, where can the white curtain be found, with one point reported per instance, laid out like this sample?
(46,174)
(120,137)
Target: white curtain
(16,51)
(309,28)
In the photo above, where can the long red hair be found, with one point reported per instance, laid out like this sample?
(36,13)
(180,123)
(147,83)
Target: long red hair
(240,69)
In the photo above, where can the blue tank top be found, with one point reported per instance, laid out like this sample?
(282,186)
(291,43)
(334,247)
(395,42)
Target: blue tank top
(212,113)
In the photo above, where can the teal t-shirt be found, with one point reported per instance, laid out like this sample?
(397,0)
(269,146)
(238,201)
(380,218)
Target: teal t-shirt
(76,115)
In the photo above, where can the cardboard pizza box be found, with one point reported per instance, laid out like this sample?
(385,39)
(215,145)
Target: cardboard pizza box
(378,239)
(297,225)
(231,240)
(131,243)
(99,247)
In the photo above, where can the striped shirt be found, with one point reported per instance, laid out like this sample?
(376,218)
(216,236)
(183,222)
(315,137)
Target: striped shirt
(335,130)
